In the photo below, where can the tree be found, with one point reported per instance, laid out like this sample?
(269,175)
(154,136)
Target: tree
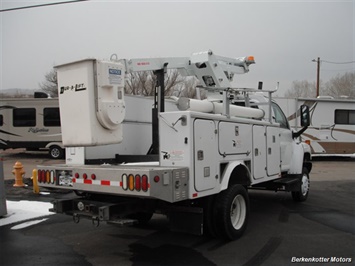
(188,89)
(144,83)
(50,85)
(302,88)
(341,85)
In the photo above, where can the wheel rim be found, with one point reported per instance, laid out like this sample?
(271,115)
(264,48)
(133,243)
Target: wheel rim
(305,185)
(55,153)
(238,212)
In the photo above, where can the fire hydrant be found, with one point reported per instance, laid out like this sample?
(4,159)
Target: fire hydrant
(18,172)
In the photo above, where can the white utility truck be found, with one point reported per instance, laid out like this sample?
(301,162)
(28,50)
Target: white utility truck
(208,153)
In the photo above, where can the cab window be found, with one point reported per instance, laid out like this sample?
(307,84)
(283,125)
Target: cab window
(279,116)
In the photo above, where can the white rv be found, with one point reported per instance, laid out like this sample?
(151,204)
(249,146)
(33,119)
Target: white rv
(332,129)
(31,123)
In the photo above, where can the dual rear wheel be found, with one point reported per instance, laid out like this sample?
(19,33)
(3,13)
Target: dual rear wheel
(226,215)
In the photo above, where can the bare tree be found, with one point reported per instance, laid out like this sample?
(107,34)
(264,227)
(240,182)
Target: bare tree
(50,85)
(341,85)
(302,88)
(144,83)
(188,89)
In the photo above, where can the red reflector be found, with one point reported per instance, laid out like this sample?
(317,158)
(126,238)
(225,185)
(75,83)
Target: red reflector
(77,175)
(105,182)
(156,179)
(137,184)
(144,183)
(85,176)
(194,195)
(93,176)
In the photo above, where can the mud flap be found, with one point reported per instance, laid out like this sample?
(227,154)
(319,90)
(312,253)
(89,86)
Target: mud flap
(186,220)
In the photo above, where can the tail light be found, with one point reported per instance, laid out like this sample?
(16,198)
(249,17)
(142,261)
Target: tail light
(124,181)
(52,177)
(137,184)
(39,176)
(131,182)
(144,183)
(48,177)
(134,182)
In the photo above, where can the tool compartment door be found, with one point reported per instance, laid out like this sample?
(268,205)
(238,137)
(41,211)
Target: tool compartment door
(259,152)
(273,158)
(205,154)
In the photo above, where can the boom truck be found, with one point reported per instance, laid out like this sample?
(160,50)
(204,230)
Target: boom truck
(209,153)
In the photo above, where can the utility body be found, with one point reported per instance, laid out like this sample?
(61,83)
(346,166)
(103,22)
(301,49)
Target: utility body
(207,153)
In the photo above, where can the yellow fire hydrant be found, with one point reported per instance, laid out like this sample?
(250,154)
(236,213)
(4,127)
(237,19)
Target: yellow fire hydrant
(18,172)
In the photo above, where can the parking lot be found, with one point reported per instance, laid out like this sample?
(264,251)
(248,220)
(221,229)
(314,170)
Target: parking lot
(280,231)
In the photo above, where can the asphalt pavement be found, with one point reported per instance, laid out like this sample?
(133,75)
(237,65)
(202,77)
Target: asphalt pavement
(280,232)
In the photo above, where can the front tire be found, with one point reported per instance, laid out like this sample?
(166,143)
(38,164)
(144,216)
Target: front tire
(302,194)
(232,209)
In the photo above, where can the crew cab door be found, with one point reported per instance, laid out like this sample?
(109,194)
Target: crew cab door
(285,137)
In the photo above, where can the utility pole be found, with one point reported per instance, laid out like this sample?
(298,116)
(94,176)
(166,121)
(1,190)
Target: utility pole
(318,74)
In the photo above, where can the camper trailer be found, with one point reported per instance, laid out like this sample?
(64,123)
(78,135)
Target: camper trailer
(332,129)
(31,123)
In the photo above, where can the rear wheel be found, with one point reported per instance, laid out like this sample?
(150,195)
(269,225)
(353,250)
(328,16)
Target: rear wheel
(302,193)
(56,152)
(232,209)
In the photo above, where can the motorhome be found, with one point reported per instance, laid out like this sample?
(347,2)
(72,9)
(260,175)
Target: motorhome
(332,129)
(31,123)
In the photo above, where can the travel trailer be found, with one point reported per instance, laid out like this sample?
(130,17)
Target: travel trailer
(332,129)
(31,123)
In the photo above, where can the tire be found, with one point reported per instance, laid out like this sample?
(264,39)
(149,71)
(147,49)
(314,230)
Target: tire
(302,194)
(56,152)
(232,212)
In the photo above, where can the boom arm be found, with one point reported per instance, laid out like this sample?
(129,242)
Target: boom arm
(99,88)
(211,70)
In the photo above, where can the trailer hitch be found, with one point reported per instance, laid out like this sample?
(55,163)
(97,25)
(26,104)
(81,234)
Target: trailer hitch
(76,218)
(95,221)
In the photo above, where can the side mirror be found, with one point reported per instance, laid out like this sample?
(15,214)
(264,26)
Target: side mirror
(305,117)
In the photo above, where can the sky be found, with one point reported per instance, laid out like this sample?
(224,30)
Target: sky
(283,36)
